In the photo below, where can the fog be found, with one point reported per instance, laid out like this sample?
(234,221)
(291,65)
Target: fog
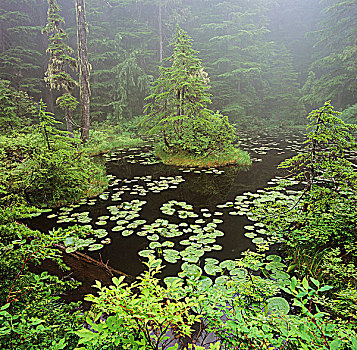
(268,61)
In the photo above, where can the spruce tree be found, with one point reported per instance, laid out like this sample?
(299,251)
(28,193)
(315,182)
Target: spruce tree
(333,73)
(84,69)
(178,108)
(56,75)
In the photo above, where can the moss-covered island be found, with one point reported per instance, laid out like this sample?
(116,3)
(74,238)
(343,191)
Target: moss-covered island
(189,133)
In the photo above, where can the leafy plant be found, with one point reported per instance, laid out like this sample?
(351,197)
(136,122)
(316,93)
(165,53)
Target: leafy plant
(139,316)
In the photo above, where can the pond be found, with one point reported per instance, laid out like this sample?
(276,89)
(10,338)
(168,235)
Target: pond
(183,216)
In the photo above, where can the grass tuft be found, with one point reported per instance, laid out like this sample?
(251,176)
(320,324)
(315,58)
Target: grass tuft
(233,156)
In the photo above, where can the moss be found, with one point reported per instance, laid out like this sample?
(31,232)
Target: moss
(233,156)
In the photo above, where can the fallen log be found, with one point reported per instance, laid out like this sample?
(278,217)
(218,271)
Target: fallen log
(84,269)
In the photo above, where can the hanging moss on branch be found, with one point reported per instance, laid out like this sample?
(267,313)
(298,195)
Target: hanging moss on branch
(190,133)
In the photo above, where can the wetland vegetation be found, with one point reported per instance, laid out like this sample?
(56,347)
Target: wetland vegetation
(156,197)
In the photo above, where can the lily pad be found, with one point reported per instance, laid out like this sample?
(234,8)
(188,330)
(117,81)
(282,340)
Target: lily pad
(278,305)
(97,246)
(146,253)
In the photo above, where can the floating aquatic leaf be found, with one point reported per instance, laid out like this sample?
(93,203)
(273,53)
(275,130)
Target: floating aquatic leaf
(262,231)
(154,245)
(227,264)
(93,247)
(221,280)
(104,196)
(100,233)
(146,253)
(118,228)
(250,234)
(101,223)
(84,220)
(51,216)
(191,270)
(278,305)
(171,255)
(168,244)
(185,242)
(154,237)
(212,269)
(239,273)
(126,233)
(106,241)
(172,280)
(258,240)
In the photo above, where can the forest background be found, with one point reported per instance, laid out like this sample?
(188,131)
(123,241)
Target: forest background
(269,64)
(267,60)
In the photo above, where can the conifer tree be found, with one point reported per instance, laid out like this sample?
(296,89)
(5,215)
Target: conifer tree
(178,108)
(333,73)
(56,75)
(84,69)
(22,48)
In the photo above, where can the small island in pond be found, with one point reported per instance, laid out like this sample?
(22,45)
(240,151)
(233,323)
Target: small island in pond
(189,133)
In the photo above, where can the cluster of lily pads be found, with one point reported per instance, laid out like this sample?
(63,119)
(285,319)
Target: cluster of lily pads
(200,239)
(133,157)
(214,171)
(142,185)
(252,145)
(124,215)
(244,204)
(234,270)
(190,234)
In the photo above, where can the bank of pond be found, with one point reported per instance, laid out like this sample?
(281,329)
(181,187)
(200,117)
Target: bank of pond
(185,258)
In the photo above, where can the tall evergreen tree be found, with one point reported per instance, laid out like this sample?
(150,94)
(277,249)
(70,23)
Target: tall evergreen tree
(23,58)
(178,108)
(234,40)
(333,73)
(56,75)
(84,69)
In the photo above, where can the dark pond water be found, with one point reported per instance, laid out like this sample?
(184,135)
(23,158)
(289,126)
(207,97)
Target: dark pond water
(200,211)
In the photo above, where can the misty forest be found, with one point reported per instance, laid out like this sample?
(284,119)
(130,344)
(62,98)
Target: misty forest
(178,174)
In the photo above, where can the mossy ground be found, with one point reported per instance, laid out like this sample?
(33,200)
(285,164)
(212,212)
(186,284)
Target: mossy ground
(233,156)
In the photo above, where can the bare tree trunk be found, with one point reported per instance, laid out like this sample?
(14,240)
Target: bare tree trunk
(2,38)
(68,118)
(160,31)
(339,98)
(83,65)
(48,97)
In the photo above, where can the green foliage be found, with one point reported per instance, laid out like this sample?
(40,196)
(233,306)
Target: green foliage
(243,311)
(349,115)
(332,74)
(324,157)
(32,315)
(46,166)
(250,320)
(138,316)
(178,108)
(319,226)
(16,108)
(106,137)
(22,54)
